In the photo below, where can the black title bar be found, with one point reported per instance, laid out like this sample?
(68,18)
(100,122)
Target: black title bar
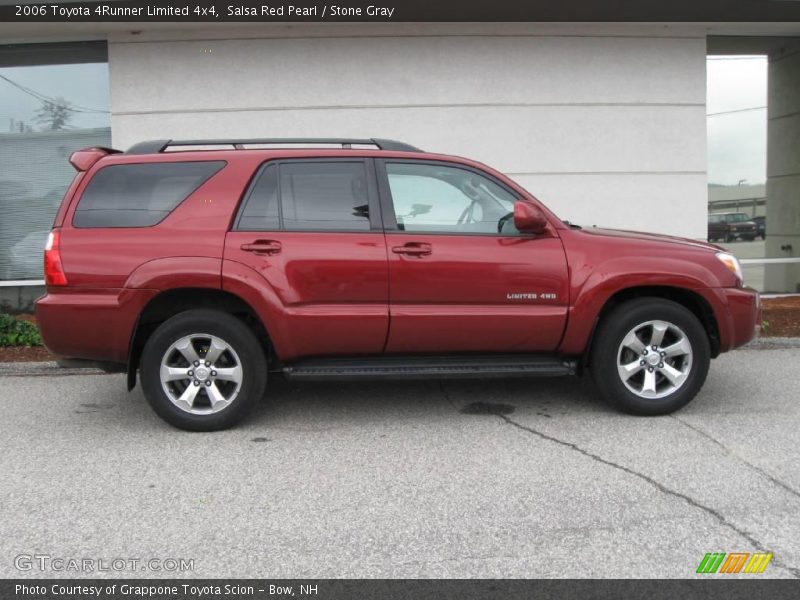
(409,11)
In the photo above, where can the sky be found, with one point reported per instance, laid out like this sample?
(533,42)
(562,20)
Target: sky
(737,141)
(85,85)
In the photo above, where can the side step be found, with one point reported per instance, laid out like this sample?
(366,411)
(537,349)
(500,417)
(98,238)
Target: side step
(430,367)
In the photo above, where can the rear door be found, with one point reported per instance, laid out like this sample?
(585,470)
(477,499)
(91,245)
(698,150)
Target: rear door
(311,229)
(462,278)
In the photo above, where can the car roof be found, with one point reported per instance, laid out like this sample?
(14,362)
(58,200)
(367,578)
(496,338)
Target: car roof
(156,146)
(277,148)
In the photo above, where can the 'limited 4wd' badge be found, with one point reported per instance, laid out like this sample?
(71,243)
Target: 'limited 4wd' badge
(529,296)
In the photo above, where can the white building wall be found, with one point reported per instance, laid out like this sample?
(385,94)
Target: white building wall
(606,125)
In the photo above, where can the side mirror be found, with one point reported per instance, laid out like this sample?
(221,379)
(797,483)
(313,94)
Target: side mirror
(528,218)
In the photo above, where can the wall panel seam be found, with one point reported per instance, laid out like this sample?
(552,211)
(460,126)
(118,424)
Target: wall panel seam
(782,175)
(404,36)
(405,106)
(787,115)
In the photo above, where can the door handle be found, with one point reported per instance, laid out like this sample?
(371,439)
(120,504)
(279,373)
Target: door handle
(413,249)
(262,247)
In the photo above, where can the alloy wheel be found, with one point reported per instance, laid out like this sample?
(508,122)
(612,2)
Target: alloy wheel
(654,359)
(201,374)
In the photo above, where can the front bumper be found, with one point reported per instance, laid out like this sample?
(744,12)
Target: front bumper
(738,315)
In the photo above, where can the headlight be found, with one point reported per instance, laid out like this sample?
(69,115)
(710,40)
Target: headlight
(730,261)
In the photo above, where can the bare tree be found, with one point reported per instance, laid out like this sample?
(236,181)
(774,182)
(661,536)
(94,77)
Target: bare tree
(54,115)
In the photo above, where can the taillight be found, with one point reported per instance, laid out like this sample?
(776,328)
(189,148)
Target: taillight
(53,270)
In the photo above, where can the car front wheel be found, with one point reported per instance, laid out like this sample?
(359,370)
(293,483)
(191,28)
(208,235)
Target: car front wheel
(203,370)
(650,356)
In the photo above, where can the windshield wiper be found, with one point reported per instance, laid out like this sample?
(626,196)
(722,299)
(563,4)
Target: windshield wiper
(572,225)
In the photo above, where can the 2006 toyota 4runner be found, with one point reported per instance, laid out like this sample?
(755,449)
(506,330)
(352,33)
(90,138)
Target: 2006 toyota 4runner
(205,265)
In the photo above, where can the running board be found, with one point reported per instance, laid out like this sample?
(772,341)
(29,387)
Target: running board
(430,367)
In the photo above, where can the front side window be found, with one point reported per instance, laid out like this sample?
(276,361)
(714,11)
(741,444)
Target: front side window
(139,195)
(443,199)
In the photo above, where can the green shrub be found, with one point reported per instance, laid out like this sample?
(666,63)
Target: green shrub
(14,332)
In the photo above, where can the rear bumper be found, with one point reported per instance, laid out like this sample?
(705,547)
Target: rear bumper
(90,324)
(738,315)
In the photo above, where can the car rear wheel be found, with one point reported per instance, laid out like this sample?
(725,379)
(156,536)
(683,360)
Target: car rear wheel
(203,370)
(650,356)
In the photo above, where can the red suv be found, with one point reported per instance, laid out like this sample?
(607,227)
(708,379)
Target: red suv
(205,265)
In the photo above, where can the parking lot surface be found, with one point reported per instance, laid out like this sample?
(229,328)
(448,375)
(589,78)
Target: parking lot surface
(522,478)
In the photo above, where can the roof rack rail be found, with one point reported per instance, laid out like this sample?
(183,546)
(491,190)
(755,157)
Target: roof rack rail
(156,146)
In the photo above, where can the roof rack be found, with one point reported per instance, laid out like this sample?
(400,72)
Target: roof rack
(156,146)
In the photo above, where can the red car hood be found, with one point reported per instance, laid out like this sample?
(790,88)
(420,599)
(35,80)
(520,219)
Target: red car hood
(652,237)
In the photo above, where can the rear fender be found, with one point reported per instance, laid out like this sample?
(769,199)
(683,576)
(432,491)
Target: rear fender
(164,274)
(255,290)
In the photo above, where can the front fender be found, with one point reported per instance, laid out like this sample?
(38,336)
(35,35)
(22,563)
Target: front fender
(591,290)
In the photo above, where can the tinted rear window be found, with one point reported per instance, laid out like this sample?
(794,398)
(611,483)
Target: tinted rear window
(324,195)
(139,195)
(307,196)
(261,205)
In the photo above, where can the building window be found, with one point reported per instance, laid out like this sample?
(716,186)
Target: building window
(53,101)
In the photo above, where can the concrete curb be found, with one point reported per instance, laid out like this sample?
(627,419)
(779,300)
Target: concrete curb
(51,369)
(773,343)
(41,369)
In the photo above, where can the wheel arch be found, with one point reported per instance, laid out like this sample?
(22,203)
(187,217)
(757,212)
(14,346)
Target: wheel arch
(174,301)
(687,298)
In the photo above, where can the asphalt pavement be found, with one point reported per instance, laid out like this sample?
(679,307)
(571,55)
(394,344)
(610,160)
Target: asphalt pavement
(521,478)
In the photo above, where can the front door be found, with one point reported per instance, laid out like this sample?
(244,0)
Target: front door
(462,278)
(311,229)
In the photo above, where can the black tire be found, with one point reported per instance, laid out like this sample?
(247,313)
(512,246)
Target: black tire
(606,347)
(237,336)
